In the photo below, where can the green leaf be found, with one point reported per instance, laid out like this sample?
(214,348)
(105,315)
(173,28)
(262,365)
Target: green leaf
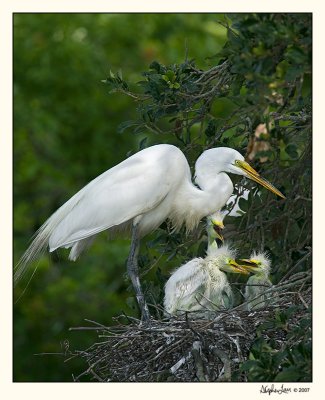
(291,374)
(211,129)
(127,124)
(171,76)
(157,66)
(291,150)
(143,143)
(243,204)
(247,365)
(166,78)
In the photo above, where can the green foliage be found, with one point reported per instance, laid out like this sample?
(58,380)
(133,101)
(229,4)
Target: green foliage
(291,362)
(212,89)
(172,95)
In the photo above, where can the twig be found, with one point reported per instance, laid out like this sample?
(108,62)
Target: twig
(226,363)
(239,352)
(198,361)
(303,301)
(306,256)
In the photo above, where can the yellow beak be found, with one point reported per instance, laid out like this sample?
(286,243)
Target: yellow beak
(255,176)
(237,268)
(249,265)
(217,227)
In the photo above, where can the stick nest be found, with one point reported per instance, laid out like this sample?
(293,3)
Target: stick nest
(189,348)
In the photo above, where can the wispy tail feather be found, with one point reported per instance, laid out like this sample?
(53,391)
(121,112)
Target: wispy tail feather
(42,236)
(38,246)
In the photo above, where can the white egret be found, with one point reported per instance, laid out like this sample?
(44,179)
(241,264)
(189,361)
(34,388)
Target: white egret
(140,193)
(200,284)
(255,297)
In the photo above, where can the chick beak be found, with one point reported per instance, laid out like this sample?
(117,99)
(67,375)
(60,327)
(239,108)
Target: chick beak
(237,268)
(217,229)
(249,265)
(255,176)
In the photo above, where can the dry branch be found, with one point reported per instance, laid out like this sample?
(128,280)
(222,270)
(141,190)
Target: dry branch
(188,348)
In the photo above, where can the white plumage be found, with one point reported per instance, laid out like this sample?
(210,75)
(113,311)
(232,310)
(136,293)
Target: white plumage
(140,193)
(200,284)
(257,284)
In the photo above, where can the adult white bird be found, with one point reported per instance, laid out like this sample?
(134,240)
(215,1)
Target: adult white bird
(257,284)
(200,284)
(140,193)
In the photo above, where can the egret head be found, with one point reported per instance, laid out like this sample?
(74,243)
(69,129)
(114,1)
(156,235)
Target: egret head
(223,258)
(215,225)
(231,161)
(258,263)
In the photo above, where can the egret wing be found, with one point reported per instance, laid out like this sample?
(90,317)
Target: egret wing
(127,190)
(184,284)
(130,189)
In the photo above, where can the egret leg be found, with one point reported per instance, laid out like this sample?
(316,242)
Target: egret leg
(133,272)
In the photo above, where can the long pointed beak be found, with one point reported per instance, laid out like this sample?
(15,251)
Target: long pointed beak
(256,177)
(217,229)
(236,268)
(248,265)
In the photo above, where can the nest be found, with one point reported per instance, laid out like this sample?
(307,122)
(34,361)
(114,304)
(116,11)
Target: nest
(189,348)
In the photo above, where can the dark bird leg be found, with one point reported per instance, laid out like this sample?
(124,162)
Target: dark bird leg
(133,272)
